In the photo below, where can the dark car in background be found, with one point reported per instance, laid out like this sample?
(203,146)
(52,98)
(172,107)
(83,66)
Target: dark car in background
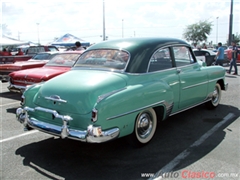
(205,55)
(208,56)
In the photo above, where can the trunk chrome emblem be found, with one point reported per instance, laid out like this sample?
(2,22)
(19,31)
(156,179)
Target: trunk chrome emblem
(55,98)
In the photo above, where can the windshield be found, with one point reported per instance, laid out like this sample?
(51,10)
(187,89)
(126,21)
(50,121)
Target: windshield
(104,58)
(63,59)
(43,56)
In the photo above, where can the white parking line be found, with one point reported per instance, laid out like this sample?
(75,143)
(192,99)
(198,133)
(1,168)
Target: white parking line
(14,137)
(169,167)
(10,104)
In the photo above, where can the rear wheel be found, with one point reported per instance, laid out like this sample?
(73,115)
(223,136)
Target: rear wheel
(144,129)
(217,94)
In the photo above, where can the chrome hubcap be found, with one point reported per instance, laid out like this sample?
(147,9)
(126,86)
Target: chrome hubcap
(145,125)
(215,96)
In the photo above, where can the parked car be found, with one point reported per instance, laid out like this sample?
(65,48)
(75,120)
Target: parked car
(229,54)
(30,52)
(59,64)
(205,55)
(208,56)
(38,60)
(122,88)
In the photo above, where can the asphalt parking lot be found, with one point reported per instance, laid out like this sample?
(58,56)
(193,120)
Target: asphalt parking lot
(195,144)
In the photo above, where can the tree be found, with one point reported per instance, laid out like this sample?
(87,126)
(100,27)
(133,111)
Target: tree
(198,32)
(5,30)
(236,38)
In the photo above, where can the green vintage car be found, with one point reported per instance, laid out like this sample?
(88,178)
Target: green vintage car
(122,88)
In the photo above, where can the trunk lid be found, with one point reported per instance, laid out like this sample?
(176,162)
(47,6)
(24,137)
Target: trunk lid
(77,90)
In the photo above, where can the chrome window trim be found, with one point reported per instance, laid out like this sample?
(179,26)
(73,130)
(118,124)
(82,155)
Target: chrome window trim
(161,70)
(149,61)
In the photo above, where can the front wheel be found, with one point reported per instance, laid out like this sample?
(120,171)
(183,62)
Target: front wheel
(144,129)
(216,97)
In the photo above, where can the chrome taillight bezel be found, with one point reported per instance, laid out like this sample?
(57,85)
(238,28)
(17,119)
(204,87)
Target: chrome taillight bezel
(94,115)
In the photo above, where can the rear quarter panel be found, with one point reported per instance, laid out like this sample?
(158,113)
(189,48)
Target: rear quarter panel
(121,109)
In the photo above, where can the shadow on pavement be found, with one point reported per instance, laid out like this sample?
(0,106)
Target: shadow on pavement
(10,95)
(71,159)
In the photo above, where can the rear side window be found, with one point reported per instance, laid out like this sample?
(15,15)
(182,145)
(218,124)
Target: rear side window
(35,50)
(52,49)
(182,56)
(160,60)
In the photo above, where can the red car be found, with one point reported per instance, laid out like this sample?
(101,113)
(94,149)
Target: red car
(59,64)
(229,55)
(38,60)
(30,52)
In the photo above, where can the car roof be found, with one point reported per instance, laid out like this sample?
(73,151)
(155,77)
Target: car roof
(141,49)
(132,43)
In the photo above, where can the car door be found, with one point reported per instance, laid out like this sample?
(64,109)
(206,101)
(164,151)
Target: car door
(193,79)
(162,63)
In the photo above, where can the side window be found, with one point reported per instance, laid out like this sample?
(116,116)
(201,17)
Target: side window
(182,56)
(160,60)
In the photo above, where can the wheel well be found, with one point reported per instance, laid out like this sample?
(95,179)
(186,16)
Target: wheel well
(221,83)
(159,112)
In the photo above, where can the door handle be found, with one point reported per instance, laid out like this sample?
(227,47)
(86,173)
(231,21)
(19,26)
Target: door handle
(178,71)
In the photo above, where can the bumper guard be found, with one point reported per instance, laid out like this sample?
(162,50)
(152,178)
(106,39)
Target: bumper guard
(93,134)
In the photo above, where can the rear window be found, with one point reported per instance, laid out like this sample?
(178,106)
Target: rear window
(52,49)
(35,50)
(42,56)
(104,58)
(63,60)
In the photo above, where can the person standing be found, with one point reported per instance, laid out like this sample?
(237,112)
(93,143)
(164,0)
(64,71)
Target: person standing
(204,46)
(20,52)
(220,55)
(5,52)
(78,46)
(233,62)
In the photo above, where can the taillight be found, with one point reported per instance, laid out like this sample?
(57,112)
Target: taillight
(11,80)
(22,100)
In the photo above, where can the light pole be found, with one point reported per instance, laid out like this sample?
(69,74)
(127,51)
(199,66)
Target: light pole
(217,31)
(230,24)
(122,28)
(104,37)
(38,33)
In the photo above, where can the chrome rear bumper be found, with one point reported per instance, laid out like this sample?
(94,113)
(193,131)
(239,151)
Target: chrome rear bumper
(16,88)
(92,134)
(4,78)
